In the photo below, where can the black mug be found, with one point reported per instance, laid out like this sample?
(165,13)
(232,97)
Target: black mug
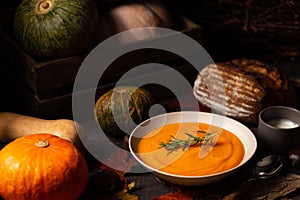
(279,129)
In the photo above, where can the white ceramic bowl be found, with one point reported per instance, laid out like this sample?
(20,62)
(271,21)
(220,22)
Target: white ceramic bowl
(241,131)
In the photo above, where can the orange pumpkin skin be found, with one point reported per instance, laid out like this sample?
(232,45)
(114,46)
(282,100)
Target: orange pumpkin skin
(29,172)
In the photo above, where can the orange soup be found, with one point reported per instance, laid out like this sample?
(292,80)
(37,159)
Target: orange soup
(227,152)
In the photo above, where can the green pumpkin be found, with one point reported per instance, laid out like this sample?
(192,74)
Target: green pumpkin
(130,104)
(55,28)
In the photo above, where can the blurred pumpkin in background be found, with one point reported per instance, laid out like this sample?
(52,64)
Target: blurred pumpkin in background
(126,15)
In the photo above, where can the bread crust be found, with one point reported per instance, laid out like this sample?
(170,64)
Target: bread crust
(239,88)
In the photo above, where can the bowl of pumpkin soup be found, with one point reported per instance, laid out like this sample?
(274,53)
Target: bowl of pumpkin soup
(192,148)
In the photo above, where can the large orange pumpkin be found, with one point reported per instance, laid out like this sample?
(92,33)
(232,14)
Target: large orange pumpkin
(42,166)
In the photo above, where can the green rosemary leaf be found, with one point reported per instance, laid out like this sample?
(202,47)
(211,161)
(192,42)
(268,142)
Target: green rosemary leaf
(192,140)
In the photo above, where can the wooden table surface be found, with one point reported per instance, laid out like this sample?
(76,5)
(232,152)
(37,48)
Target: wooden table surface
(149,187)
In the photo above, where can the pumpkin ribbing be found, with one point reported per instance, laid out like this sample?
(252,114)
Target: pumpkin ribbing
(130,104)
(55,28)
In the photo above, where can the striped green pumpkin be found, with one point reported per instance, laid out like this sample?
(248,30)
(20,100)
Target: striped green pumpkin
(55,28)
(122,100)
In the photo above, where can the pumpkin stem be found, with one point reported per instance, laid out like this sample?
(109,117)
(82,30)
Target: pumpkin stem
(42,143)
(44,6)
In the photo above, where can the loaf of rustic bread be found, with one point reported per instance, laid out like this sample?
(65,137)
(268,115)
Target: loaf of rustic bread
(240,88)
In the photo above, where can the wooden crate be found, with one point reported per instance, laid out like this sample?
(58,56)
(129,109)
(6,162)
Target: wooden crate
(46,86)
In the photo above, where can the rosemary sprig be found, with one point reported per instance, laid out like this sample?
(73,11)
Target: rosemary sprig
(175,143)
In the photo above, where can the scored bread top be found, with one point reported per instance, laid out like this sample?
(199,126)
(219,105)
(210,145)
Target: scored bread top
(238,88)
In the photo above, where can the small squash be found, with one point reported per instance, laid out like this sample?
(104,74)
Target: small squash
(13,126)
(55,28)
(42,166)
(130,104)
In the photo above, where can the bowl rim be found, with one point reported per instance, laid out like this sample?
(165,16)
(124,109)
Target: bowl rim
(245,159)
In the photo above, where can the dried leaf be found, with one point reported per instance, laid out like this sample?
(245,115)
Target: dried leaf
(131,185)
(121,195)
(175,196)
(104,181)
(119,160)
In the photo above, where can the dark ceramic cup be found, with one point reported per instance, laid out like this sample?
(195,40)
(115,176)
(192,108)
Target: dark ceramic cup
(279,129)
